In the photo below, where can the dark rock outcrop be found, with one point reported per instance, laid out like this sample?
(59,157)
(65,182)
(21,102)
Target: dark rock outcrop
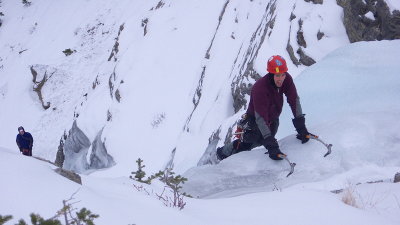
(65,173)
(397,178)
(60,157)
(38,84)
(300,35)
(241,84)
(241,89)
(315,1)
(305,59)
(289,49)
(292,17)
(69,174)
(320,35)
(359,27)
(115,49)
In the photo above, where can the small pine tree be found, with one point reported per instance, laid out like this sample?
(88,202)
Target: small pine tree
(139,174)
(4,219)
(68,51)
(84,217)
(168,177)
(36,219)
(154,176)
(21,222)
(174,182)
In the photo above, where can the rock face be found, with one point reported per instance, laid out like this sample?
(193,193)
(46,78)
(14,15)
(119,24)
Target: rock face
(360,26)
(315,1)
(240,88)
(397,178)
(246,74)
(60,157)
(305,59)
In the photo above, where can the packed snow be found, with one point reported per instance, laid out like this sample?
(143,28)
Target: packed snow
(157,70)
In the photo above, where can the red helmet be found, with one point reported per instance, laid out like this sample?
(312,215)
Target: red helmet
(276,64)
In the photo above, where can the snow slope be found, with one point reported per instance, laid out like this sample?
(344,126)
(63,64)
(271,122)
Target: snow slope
(142,62)
(248,188)
(153,79)
(141,72)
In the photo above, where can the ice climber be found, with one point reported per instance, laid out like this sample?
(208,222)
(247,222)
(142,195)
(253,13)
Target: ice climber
(260,123)
(24,141)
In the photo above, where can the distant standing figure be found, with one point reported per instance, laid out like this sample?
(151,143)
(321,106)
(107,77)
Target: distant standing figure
(24,142)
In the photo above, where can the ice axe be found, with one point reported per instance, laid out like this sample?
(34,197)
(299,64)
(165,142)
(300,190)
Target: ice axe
(328,146)
(292,165)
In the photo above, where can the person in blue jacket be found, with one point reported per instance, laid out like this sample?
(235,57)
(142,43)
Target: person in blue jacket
(24,142)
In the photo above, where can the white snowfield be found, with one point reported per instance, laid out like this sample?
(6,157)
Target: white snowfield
(157,70)
(351,99)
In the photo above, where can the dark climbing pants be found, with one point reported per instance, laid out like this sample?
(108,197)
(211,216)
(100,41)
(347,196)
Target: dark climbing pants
(27,152)
(252,138)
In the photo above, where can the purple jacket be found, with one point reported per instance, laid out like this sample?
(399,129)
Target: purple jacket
(266,101)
